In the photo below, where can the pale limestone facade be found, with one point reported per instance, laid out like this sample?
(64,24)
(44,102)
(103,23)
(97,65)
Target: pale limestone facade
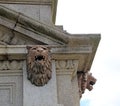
(28,22)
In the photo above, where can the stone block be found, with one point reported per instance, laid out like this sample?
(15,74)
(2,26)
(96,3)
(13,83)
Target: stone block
(41,13)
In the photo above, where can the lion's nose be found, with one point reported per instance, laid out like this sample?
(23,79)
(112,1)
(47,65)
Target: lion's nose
(40,49)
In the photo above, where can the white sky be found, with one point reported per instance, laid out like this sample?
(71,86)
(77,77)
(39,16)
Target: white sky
(97,16)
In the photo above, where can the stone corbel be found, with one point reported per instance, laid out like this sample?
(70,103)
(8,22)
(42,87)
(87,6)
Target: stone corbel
(66,67)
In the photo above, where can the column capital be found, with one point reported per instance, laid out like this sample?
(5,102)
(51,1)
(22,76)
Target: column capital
(66,67)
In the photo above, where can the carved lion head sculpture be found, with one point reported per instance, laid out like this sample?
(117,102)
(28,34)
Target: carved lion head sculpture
(85,81)
(38,65)
(90,81)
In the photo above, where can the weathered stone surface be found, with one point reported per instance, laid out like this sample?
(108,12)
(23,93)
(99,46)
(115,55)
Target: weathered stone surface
(11,90)
(43,10)
(11,65)
(11,86)
(65,69)
(9,37)
(37,12)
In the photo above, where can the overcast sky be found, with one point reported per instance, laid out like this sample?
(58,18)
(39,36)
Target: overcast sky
(97,16)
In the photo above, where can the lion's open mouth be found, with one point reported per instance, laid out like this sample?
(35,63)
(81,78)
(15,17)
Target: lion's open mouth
(39,58)
(92,83)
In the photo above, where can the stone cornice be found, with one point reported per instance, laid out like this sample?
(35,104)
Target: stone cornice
(86,39)
(8,52)
(33,25)
(55,50)
(12,49)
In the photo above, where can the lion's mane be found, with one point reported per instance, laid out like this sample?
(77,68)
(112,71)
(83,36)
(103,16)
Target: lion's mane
(39,65)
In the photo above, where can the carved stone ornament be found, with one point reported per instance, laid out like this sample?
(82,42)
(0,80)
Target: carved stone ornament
(85,81)
(38,65)
(90,82)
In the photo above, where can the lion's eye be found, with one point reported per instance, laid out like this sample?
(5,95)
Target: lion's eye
(44,48)
(33,48)
(39,58)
